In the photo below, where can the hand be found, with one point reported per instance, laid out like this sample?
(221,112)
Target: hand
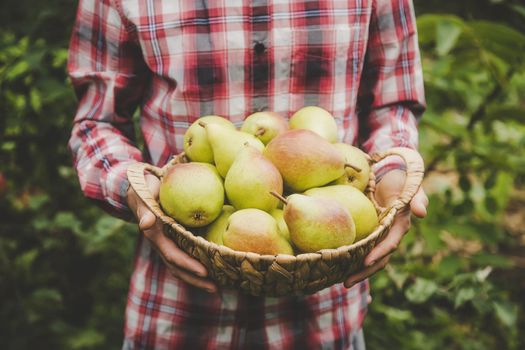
(387,190)
(179,264)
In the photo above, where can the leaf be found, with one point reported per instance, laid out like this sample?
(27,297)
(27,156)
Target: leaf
(35,100)
(506,312)
(86,339)
(25,260)
(502,40)
(447,35)
(421,290)
(519,9)
(46,296)
(396,276)
(492,260)
(66,220)
(19,68)
(464,295)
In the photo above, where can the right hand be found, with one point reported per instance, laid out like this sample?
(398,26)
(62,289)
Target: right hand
(179,264)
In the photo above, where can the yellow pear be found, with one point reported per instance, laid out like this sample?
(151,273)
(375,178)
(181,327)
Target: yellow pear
(253,230)
(265,125)
(216,229)
(192,193)
(196,145)
(278,215)
(226,143)
(359,175)
(360,207)
(317,120)
(250,180)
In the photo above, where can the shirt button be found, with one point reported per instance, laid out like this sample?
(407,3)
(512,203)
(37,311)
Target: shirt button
(259,48)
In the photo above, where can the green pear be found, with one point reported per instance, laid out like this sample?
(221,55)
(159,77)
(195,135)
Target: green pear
(265,125)
(318,223)
(360,207)
(250,180)
(278,215)
(192,193)
(253,230)
(317,120)
(196,145)
(215,230)
(305,159)
(358,175)
(226,143)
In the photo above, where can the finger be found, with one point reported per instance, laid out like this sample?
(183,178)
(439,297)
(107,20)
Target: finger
(146,218)
(153,183)
(391,241)
(419,204)
(174,256)
(367,272)
(189,278)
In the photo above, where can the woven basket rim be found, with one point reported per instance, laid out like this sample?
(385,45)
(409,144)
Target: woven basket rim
(387,216)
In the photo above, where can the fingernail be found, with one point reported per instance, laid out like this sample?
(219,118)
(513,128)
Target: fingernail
(370,263)
(210,290)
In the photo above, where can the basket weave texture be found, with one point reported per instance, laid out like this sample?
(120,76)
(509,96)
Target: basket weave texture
(281,275)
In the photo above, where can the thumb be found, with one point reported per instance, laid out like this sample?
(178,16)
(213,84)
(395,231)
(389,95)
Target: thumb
(147,218)
(419,204)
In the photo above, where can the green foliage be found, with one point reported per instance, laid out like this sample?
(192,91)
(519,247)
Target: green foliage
(453,284)
(448,287)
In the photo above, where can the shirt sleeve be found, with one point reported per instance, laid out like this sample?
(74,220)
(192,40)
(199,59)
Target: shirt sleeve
(109,76)
(391,93)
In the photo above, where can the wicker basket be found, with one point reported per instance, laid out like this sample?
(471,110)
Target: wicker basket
(281,275)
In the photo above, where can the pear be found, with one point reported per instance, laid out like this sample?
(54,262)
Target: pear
(317,120)
(253,230)
(358,179)
(265,125)
(196,145)
(317,223)
(215,230)
(305,159)
(226,143)
(278,215)
(250,180)
(360,207)
(192,193)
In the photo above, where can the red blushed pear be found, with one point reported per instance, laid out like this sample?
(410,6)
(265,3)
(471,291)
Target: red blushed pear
(265,125)
(317,223)
(253,230)
(305,159)
(192,193)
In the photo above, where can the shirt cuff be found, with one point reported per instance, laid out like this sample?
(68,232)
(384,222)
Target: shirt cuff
(115,187)
(386,165)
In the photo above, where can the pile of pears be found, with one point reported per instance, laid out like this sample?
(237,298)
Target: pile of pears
(275,186)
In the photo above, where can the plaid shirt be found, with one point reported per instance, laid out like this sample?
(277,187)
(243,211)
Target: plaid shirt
(179,60)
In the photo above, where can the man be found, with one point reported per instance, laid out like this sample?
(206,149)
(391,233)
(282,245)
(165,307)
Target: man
(179,60)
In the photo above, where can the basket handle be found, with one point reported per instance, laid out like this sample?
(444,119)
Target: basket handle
(415,170)
(137,181)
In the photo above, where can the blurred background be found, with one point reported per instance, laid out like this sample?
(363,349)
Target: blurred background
(457,281)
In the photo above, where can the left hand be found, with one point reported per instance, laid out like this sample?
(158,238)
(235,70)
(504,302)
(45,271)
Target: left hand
(387,190)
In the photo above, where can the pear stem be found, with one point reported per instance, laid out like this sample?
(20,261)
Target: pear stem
(203,124)
(279,197)
(348,165)
(260,132)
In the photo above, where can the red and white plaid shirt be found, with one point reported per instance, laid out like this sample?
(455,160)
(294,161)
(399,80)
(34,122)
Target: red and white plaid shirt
(179,60)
